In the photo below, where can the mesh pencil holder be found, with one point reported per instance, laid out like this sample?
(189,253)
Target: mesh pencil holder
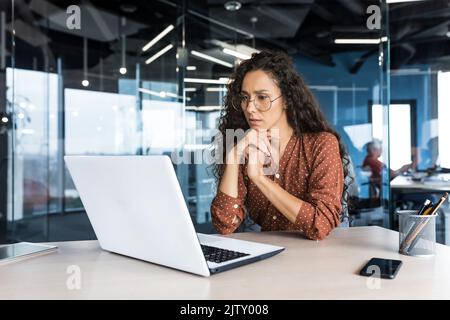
(417,233)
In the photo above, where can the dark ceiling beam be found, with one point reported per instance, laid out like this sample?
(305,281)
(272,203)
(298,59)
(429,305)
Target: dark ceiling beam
(410,52)
(302,48)
(402,30)
(430,53)
(323,13)
(432,40)
(419,10)
(439,27)
(221,24)
(275,13)
(158,12)
(170,3)
(354,6)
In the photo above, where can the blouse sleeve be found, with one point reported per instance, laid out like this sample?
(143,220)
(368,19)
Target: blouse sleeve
(321,208)
(225,208)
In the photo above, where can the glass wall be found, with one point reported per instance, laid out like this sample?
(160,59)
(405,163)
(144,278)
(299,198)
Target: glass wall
(148,77)
(420,101)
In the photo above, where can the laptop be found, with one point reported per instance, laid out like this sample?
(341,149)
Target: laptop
(136,208)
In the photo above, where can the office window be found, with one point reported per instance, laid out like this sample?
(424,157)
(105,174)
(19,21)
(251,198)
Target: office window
(35,168)
(100,122)
(400,132)
(162,125)
(359,134)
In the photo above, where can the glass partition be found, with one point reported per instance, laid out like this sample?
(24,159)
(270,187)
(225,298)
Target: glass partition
(419,77)
(103,78)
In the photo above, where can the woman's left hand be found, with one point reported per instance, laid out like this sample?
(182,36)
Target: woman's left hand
(257,160)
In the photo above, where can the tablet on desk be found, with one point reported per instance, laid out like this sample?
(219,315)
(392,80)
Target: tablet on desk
(21,250)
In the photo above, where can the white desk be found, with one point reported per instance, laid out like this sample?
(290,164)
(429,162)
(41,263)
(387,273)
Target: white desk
(305,270)
(435,183)
(438,183)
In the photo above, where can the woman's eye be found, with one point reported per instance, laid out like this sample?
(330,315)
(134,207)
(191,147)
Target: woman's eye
(263,98)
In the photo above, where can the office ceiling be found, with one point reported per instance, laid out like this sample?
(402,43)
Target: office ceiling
(418,30)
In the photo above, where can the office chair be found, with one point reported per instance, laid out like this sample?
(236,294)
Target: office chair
(365,206)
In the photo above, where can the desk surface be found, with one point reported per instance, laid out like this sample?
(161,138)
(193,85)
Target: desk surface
(307,269)
(439,182)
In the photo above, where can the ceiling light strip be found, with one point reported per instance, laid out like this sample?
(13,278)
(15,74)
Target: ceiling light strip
(151,43)
(158,54)
(211,58)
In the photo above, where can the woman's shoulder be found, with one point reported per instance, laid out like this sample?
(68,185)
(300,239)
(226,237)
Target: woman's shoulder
(320,138)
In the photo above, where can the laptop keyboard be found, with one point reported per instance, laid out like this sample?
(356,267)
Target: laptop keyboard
(218,255)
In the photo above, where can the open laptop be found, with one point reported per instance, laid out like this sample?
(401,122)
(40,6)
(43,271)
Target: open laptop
(137,209)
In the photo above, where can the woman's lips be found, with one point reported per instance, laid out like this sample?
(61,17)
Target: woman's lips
(255,121)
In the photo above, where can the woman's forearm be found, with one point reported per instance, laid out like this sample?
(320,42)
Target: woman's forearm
(285,202)
(230,178)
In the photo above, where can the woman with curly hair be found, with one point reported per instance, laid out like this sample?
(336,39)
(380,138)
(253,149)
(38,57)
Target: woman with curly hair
(286,129)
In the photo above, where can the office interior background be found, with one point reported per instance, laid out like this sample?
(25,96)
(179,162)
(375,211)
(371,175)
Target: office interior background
(134,77)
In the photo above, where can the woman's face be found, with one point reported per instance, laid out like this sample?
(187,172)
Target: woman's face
(258,86)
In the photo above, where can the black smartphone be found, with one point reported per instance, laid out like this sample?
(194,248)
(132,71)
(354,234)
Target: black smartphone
(384,268)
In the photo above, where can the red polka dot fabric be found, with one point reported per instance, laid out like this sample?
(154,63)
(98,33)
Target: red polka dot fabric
(310,169)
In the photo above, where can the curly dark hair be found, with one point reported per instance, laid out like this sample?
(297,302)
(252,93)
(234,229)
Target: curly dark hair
(303,112)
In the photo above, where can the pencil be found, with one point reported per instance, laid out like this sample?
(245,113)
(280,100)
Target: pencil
(441,201)
(413,236)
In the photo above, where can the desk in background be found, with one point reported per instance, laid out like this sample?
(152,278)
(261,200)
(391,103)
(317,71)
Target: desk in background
(435,184)
(307,269)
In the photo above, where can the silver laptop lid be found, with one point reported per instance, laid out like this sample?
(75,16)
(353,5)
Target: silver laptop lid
(136,208)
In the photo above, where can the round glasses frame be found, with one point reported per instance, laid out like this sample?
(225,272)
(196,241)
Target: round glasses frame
(239,105)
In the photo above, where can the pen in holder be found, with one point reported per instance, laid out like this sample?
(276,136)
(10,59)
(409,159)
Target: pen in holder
(417,233)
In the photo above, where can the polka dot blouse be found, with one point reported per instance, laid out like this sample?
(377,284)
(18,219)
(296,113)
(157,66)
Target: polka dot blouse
(310,169)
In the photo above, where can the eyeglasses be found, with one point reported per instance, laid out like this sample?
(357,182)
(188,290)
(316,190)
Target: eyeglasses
(261,102)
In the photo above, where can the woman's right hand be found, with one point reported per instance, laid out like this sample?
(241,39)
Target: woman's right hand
(253,139)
